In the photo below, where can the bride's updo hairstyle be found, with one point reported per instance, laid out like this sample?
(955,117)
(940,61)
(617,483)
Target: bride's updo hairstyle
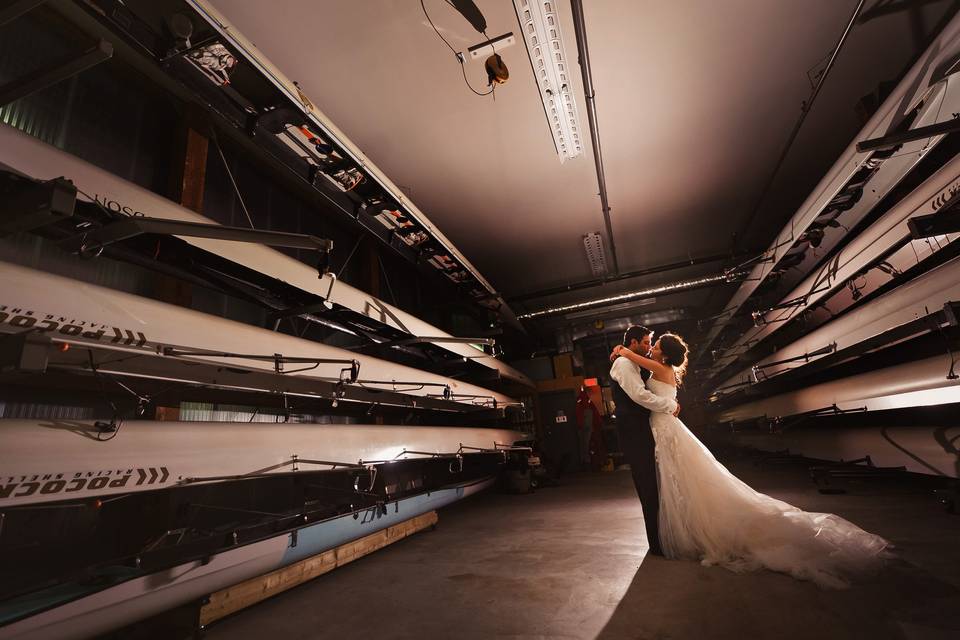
(674,350)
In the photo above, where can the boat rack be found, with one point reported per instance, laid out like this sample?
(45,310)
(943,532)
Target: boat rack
(826,475)
(502,449)
(266,114)
(94,241)
(780,458)
(294,464)
(779,424)
(760,382)
(51,210)
(178,370)
(348,374)
(199,517)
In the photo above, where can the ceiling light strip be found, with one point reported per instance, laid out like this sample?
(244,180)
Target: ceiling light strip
(633,295)
(593,244)
(540,25)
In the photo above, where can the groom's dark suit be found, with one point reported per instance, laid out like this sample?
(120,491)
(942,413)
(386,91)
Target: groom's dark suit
(637,444)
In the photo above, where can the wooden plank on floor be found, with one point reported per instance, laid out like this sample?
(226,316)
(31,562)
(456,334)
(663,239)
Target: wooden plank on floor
(232,599)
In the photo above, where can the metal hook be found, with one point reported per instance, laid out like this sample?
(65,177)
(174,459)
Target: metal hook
(373,479)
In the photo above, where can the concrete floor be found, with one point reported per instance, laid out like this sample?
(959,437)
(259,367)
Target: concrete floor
(569,562)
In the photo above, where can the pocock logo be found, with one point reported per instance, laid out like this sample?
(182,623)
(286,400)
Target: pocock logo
(27,319)
(66,483)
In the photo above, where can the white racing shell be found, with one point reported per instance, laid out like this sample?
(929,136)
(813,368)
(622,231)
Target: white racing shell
(28,156)
(50,460)
(72,311)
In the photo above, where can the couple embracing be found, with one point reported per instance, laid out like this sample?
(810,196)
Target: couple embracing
(693,507)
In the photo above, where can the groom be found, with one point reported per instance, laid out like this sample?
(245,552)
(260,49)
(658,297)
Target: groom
(634,403)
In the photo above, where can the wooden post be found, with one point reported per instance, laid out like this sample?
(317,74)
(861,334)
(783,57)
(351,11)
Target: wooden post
(194,170)
(247,593)
(188,181)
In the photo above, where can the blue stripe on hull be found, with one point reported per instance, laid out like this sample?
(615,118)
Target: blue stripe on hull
(44,607)
(332,533)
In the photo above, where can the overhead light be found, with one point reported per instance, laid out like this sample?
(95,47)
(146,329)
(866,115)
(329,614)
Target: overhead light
(540,24)
(593,243)
(672,287)
(626,306)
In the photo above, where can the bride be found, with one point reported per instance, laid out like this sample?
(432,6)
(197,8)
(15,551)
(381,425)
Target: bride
(707,513)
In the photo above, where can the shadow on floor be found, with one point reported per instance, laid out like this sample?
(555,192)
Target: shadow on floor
(682,599)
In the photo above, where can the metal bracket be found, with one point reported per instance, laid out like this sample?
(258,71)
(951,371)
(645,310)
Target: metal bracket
(822,351)
(137,225)
(937,224)
(30,204)
(278,360)
(911,135)
(437,339)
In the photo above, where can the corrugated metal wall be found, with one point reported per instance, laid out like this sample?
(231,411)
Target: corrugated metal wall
(207,412)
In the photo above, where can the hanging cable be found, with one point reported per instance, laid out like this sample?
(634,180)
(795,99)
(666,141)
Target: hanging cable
(456,53)
(236,189)
(347,261)
(493,85)
(386,279)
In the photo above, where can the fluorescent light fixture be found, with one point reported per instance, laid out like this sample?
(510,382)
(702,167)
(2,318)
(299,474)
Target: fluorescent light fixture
(540,25)
(593,243)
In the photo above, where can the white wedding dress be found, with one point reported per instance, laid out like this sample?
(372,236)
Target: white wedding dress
(708,514)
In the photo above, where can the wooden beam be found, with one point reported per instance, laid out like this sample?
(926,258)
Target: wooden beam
(194,170)
(188,180)
(230,600)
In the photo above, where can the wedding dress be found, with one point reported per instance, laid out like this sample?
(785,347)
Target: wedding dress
(707,513)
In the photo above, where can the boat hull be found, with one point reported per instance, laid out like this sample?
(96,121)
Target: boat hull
(49,460)
(139,597)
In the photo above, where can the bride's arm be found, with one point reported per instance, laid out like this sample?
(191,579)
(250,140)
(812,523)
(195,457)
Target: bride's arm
(628,377)
(646,363)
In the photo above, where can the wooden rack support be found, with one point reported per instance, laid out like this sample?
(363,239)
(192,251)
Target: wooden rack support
(247,593)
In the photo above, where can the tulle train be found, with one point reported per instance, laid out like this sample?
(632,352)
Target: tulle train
(707,513)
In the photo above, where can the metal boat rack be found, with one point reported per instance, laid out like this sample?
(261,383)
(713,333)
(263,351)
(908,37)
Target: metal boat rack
(161,370)
(502,449)
(783,423)
(51,209)
(294,464)
(824,476)
(348,374)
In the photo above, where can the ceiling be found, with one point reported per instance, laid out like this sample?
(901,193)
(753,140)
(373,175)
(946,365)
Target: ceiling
(695,101)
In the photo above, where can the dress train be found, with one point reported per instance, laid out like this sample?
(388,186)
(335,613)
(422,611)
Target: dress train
(707,513)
